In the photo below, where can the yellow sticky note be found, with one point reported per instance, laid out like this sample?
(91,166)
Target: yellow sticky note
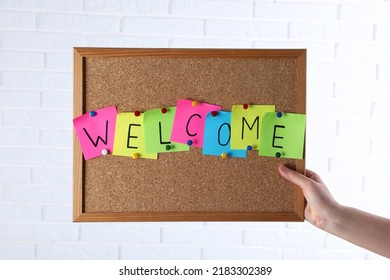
(129,136)
(246,125)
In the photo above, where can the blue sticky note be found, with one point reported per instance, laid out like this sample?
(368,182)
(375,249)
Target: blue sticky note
(217,135)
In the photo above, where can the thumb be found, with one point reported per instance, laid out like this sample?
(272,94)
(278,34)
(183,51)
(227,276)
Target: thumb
(293,176)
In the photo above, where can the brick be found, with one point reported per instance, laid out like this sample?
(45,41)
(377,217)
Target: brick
(40,40)
(17,251)
(376,184)
(368,52)
(57,213)
(322,254)
(331,31)
(14,20)
(382,32)
(283,238)
(357,89)
(343,183)
(159,252)
(358,165)
(383,72)
(241,253)
(377,204)
(317,163)
(57,99)
(38,118)
(291,11)
(380,110)
(201,236)
(365,12)
(21,59)
(78,23)
(52,175)
(316,51)
(339,71)
(38,231)
(59,61)
(37,80)
(338,108)
(126,41)
(209,43)
(334,242)
(118,233)
(35,156)
(380,148)
(245,29)
(128,7)
(320,128)
(335,146)
(219,8)
(19,136)
(11,174)
(36,194)
(56,138)
(162,26)
(19,98)
(373,129)
(57,5)
(20,212)
(79,251)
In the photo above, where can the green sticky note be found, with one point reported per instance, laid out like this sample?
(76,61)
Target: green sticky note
(282,135)
(246,125)
(158,127)
(129,136)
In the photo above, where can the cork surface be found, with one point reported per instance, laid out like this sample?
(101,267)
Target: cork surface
(187,181)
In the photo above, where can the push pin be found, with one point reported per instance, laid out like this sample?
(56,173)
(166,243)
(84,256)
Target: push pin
(278,155)
(135,156)
(164,110)
(168,147)
(92,114)
(214,113)
(104,152)
(245,106)
(279,114)
(249,148)
(189,142)
(223,155)
(195,103)
(137,113)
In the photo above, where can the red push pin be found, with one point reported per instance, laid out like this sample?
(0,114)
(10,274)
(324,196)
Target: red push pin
(137,113)
(164,110)
(245,106)
(214,113)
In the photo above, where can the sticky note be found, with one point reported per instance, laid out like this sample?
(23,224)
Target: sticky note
(246,125)
(282,135)
(95,131)
(129,136)
(158,127)
(217,136)
(189,121)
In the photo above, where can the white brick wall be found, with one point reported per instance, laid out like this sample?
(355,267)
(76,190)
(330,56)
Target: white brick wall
(347,135)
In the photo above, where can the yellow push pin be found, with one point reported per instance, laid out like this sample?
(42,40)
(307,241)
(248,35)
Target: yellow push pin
(135,156)
(195,103)
(223,155)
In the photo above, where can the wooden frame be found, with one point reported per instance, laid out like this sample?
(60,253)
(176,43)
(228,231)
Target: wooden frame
(81,56)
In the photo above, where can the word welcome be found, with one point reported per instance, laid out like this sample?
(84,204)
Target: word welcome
(192,123)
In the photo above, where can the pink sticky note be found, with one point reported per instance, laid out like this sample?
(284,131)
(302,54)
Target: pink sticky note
(189,122)
(95,131)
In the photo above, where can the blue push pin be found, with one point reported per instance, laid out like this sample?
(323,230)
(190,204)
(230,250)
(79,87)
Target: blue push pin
(278,155)
(249,148)
(92,114)
(189,142)
(279,114)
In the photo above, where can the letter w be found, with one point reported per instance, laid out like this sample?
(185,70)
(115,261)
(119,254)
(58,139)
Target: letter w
(95,143)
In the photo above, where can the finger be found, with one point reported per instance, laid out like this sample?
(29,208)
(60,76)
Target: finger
(314,176)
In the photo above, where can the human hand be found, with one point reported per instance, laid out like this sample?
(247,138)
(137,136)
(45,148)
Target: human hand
(320,203)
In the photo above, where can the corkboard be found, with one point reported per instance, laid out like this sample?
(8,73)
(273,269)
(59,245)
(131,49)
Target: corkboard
(186,186)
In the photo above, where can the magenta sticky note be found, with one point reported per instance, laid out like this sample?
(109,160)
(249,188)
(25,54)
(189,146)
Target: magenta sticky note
(189,122)
(95,131)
